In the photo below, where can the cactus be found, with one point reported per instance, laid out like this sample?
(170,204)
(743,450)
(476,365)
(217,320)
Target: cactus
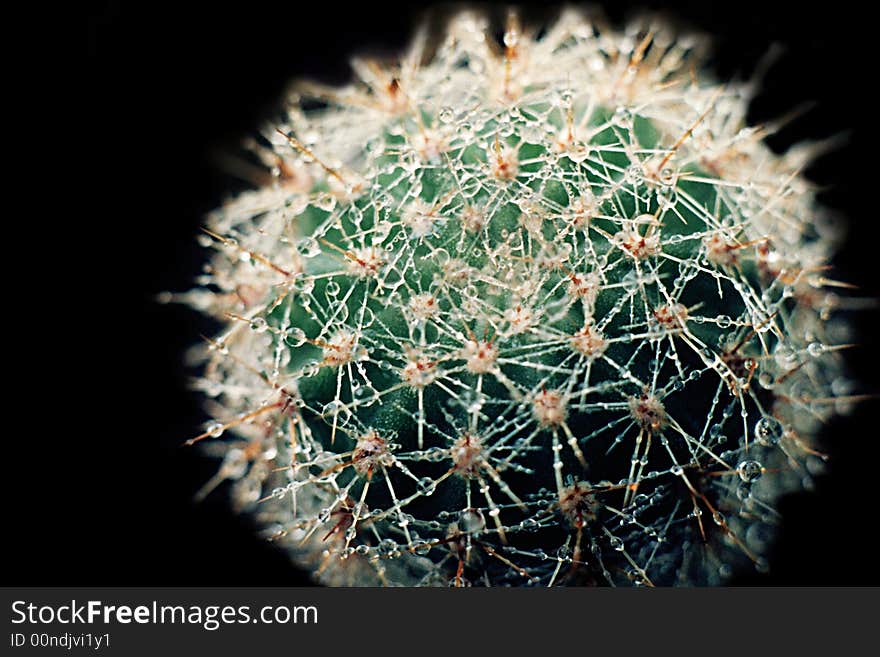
(542,312)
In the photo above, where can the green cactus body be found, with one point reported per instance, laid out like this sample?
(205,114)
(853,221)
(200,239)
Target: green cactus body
(499,325)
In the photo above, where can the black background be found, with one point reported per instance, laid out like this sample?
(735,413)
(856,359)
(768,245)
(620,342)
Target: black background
(169,87)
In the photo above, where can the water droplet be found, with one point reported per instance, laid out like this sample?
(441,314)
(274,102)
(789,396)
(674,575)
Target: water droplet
(477,66)
(750,470)
(530,525)
(331,408)
(387,548)
(308,247)
(634,174)
(295,337)
(622,117)
(325,202)
(235,464)
(426,485)
(769,431)
(471,521)
(666,197)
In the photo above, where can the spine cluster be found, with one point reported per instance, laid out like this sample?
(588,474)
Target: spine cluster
(538,312)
